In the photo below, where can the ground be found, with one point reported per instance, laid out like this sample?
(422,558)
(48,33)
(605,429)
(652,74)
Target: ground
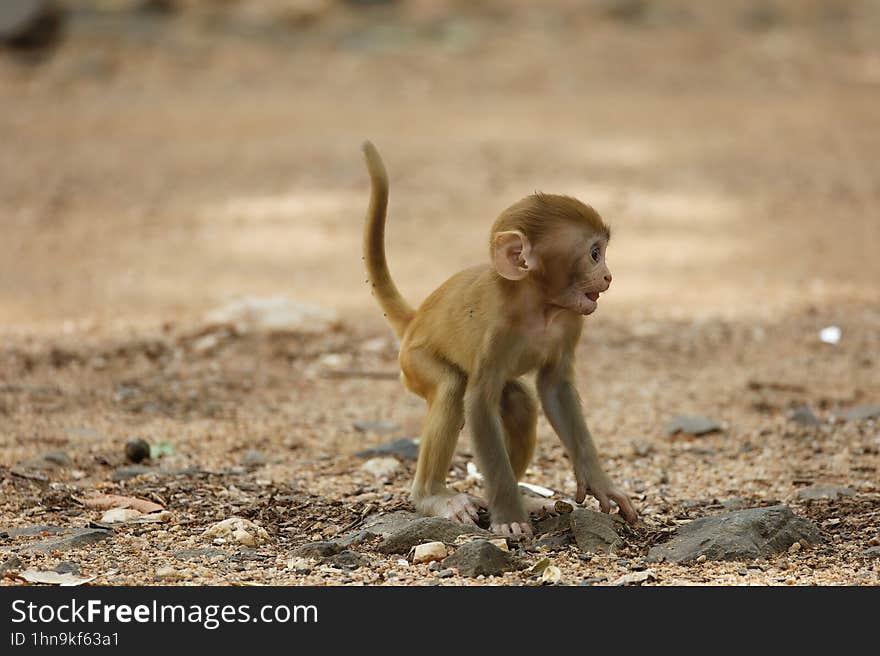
(156,166)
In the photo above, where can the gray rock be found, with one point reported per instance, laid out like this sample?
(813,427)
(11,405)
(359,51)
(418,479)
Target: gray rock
(734,503)
(481,557)
(375,427)
(11,563)
(556,542)
(815,493)
(425,529)
(189,554)
(77,538)
(348,560)
(804,416)
(741,534)
(87,433)
(58,458)
(692,425)
(320,550)
(386,524)
(354,538)
(596,532)
(125,473)
(556,524)
(66,568)
(862,412)
(403,449)
(445,574)
(30,24)
(253,458)
(870,552)
(137,450)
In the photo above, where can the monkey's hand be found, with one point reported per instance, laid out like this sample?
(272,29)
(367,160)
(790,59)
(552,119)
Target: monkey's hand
(600,486)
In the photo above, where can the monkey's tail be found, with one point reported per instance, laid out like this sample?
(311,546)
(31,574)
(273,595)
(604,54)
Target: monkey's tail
(397,311)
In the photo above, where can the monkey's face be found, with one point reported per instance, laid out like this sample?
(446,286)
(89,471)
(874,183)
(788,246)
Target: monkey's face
(575,273)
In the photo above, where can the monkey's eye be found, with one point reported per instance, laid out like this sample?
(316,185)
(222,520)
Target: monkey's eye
(595,253)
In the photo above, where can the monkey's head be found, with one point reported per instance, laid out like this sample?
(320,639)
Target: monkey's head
(557,244)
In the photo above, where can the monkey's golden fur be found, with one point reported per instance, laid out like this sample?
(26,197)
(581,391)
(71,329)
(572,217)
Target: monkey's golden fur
(466,347)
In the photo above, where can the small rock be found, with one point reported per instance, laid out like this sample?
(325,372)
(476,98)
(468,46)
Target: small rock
(170,574)
(403,449)
(481,557)
(816,493)
(554,542)
(742,572)
(830,334)
(253,459)
(77,538)
(596,532)
(115,515)
(189,554)
(318,550)
(862,412)
(137,450)
(741,534)
(428,552)
(794,548)
(692,425)
(804,416)
(445,573)
(59,458)
(592,580)
(734,503)
(30,24)
(635,578)
(238,530)
(426,529)
(551,575)
(870,552)
(348,560)
(126,473)
(375,427)
(701,558)
(383,467)
(386,524)
(67,568)
(9,565)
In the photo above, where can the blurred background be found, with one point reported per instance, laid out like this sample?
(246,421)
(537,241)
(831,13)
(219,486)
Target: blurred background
(162,156)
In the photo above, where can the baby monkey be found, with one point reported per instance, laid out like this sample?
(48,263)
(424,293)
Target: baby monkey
(467,347)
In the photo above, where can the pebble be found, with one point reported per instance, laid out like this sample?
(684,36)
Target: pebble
(429,552)
(692,425)
(382,467)
(137,450)
(171,574)
(445,573)
(403,449)
(253,458)
(239,530)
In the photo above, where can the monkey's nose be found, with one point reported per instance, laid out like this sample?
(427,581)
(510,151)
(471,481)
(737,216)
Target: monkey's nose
(608,278)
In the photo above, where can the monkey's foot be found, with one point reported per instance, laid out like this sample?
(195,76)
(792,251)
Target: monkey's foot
(540,507)
(461,507)
(511,528)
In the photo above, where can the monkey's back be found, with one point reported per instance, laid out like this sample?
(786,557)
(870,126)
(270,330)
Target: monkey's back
(452,321)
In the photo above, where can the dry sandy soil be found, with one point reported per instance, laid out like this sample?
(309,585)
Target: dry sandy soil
(155,167)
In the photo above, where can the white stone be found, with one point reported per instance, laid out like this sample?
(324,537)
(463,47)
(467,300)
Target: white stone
(429,552)
(382,467)
(239,530)
(116,515)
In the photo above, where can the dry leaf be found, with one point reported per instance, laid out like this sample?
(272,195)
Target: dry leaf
(54,578)
(108,501)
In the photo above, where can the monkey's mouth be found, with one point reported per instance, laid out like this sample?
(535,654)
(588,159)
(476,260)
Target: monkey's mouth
(593,296)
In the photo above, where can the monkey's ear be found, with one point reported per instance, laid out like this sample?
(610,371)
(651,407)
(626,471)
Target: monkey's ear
(513,255)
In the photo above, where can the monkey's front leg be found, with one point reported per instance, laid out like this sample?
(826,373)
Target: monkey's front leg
(482,403)
(562,405)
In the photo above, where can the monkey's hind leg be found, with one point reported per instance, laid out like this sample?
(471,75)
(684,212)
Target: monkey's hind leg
(443,387)
(519,414)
